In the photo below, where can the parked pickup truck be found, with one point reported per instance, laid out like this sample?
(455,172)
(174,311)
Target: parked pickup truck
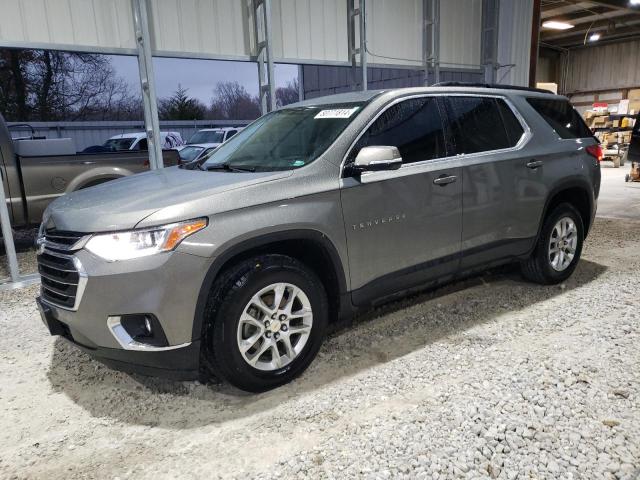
(36,171)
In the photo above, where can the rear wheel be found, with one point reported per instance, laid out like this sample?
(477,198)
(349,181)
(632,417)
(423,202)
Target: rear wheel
(558,248)
(266,322)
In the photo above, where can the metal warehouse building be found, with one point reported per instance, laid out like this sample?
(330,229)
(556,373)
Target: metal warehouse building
(338,45)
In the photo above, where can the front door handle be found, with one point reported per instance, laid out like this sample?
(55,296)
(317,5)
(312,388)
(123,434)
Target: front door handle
(445,179)
(533,164)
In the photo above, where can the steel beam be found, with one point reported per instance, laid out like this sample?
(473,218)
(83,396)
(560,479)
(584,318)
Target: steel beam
(147,82)
(363,43)
(15,280)
(7,236)
(264,54)
(490,32)
(431,39)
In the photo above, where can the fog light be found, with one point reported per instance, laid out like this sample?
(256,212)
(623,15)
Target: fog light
(144,328)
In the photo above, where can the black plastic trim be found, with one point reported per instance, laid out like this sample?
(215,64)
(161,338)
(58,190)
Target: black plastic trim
(421,275)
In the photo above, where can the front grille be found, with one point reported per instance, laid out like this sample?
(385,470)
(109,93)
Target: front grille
(62,281)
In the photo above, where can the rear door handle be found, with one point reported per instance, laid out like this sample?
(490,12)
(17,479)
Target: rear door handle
(445,179)
(533,164)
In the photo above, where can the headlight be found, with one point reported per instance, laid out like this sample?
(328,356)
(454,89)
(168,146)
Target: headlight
(142,243)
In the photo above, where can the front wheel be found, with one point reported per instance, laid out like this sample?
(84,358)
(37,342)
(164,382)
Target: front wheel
(558,248)
(266,322)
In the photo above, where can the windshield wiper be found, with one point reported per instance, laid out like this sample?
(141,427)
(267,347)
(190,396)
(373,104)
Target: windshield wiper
(229,168)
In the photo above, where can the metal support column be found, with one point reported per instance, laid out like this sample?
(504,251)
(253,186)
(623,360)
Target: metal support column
(15,280)
(363,43)
(300,82)
(351,36)
(489,45)
(431,40)
(7,236)
(264,55)
(147,82)
(354,51)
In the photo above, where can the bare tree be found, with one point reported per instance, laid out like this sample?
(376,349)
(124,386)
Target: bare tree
(180,106)
(51,85)
(232,102)
(288,94)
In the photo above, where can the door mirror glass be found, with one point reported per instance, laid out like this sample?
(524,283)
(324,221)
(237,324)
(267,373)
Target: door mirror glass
(377,158)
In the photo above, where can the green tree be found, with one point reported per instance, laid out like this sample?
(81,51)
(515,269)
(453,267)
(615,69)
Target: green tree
(180,106)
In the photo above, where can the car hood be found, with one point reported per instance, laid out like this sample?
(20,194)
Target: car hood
(123,203)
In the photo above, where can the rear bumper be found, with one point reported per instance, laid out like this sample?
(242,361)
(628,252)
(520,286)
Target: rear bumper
(176,364)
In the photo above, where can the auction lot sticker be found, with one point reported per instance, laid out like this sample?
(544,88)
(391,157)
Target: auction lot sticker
(336,113)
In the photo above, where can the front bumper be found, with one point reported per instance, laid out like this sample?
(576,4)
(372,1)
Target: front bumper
(176,364)
(165,285)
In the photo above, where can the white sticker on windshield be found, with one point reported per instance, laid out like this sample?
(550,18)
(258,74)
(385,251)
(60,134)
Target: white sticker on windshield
(336,113)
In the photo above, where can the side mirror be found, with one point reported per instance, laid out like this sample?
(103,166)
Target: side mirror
(375,159)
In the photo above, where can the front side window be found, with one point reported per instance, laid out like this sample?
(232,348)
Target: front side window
(231,133)
(561,116)
(285,139)
(477,125)
(414,126)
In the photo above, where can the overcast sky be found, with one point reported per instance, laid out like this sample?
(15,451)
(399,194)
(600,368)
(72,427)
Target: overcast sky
(199,77)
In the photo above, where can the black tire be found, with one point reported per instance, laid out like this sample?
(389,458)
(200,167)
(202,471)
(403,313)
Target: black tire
(231,293)
(537,268)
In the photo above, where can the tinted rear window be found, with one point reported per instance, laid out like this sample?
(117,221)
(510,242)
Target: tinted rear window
(561,116)
(477,125)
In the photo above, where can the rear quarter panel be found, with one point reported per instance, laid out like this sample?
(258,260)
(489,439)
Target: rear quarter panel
(565,164)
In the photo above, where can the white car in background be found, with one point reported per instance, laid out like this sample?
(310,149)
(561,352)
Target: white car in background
(204,141)
(138,141)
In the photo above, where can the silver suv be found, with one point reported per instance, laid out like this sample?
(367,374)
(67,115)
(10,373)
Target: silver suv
(235,264)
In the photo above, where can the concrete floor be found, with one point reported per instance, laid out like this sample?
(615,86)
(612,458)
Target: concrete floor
(617,198)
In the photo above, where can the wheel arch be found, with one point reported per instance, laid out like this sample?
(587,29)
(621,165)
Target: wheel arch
(310,247)
(577,194)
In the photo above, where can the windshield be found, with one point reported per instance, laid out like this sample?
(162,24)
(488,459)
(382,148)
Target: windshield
(285,139)
(119,143)
(207,137)
(189,153)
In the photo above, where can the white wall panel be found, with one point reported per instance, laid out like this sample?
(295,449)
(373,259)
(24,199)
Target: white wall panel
(394,29)
(83,24)
(514,41)
(202,27)
(460,33)
(310,30)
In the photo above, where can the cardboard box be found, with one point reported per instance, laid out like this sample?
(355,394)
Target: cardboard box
(634,94)
(616,123)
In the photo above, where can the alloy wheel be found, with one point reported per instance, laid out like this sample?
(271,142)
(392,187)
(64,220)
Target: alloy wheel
(274,327)
(563,244)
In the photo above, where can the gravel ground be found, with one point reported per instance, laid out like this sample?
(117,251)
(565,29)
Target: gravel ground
(487,378)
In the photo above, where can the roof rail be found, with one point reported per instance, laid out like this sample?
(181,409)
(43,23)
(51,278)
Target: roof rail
(490,85)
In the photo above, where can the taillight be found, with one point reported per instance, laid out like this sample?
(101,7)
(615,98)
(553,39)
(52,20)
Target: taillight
(596,152)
